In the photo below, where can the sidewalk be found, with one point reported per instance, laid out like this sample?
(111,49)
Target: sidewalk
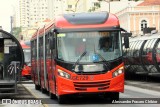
(146,85)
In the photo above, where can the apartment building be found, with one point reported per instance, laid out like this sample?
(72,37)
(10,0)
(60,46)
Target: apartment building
(32,12)
(24,13)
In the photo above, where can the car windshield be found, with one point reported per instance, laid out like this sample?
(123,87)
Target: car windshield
(71,46)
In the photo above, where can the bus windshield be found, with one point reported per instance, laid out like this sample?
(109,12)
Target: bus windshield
(97,46)
(27,56)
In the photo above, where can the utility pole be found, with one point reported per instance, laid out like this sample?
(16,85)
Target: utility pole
(11,20)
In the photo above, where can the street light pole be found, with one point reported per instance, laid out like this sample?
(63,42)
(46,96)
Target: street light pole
(11,21)
(76,6)
(109,5)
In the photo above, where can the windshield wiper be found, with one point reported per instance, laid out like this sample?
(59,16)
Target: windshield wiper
(80,57)
(106,63)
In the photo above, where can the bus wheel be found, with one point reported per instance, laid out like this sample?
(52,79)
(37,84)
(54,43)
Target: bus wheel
(112,96)
(61,99)
(52,96)
(115,96)
(43,90)
(37,87)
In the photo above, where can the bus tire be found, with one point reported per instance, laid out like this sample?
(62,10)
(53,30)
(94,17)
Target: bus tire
(37,87)
(43,90)
(115,96)
(112,96)
(61,99)
(52,96)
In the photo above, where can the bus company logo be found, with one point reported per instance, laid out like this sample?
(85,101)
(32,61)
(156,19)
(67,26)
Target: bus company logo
(6,101)
(91,77)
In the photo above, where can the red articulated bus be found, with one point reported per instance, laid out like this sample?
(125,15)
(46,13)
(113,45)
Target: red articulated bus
(26,71)
(68,56)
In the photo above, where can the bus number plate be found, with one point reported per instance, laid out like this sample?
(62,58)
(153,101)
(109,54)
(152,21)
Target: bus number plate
(80,78)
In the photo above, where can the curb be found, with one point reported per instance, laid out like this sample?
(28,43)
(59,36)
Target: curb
(149,86)
(45,105)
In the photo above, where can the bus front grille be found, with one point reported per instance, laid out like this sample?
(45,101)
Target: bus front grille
(102,85)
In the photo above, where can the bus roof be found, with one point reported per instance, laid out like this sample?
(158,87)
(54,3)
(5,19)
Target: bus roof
(81,20)
(86,20)
(145,37)
(24,46)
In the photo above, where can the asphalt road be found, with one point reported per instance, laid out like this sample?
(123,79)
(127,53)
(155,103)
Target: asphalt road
(132,97)
(23,99)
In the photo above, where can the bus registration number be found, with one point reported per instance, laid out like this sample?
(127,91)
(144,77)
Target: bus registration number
(80,78)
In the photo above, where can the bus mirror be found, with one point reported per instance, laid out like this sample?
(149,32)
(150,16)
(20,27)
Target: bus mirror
(52,43)
(126,36)
(126,41)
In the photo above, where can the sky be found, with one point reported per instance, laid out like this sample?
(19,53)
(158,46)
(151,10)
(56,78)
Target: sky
(6,10)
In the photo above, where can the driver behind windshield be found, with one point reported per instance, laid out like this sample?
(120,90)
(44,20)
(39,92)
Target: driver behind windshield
(105,45)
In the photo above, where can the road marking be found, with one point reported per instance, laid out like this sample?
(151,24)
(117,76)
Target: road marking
(43,103)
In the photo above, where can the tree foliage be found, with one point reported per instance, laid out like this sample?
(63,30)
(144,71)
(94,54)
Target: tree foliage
(16,31)
(96,6)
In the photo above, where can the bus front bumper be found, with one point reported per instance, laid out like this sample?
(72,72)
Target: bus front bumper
(66,86)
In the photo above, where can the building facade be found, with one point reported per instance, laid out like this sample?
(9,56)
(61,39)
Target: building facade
(24,12)
(115,5)
(32,12)
(145,14)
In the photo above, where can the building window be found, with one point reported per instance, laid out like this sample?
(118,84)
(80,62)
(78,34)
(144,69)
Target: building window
(143,24)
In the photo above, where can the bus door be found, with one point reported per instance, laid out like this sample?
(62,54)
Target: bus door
(51,73)
(33,55)
(48,62)
(37,82)
(44,63)
(41,67)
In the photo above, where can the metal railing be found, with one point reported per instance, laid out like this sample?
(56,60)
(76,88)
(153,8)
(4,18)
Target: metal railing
(12,72)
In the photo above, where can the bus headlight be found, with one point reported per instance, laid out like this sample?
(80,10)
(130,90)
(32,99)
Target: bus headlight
(118,72)
(63,74)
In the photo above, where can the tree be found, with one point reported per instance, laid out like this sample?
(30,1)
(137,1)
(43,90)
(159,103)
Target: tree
(96,6)
(92,9)
(16,31)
